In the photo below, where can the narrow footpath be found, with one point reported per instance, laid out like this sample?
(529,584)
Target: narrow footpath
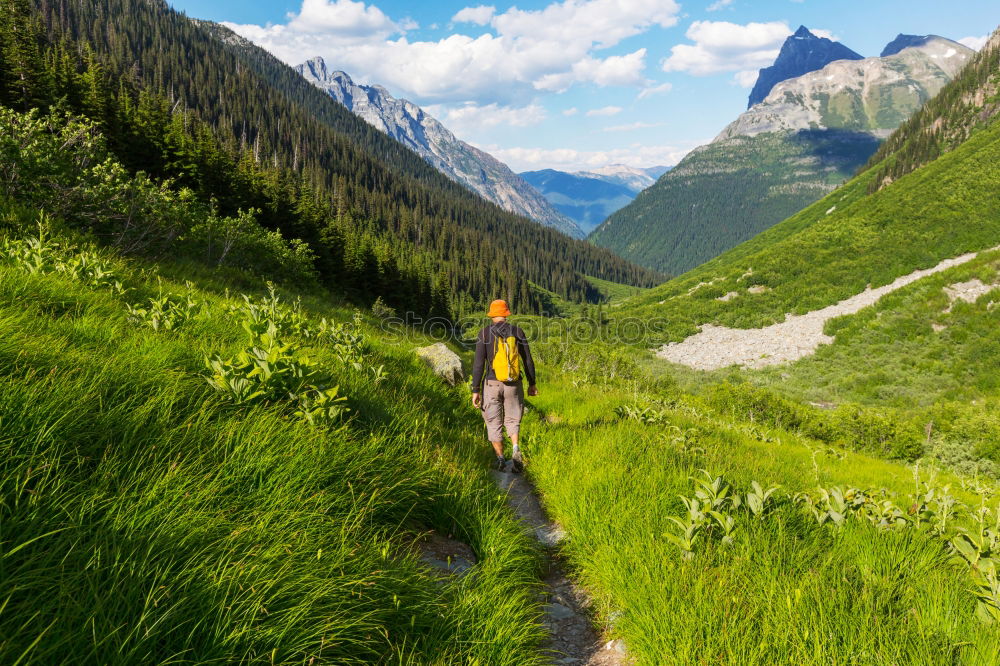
(573,639)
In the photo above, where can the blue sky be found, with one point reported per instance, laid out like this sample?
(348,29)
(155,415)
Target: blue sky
(577,84)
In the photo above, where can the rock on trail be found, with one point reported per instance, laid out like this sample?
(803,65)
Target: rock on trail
(716,347)
(572,637)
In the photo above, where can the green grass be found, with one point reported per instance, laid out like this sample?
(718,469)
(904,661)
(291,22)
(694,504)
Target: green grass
(836,247)
(890,353)
(614,291)
(144,519)
(787,591)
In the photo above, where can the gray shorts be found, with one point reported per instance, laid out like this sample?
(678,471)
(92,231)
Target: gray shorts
(503,406)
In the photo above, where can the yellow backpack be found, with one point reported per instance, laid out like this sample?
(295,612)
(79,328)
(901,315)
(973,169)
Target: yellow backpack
(506,359)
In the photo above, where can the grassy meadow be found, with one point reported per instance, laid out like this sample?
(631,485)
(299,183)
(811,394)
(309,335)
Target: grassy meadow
(808,580)
(149,517)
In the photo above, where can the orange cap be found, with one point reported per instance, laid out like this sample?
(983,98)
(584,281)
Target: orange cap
(498,308)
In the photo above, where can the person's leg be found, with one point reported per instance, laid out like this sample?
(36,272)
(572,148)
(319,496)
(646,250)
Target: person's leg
(513,410)
(493,415)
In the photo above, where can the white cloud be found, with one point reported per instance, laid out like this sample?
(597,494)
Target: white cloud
(719,4)
(471,117)
(568,159)
(571,112)
(623,70)
(720,46)
(342,18)
(605,111)
(661,89)
(746,78)
(974,43)
(632,127)
(550,49)
(480,15)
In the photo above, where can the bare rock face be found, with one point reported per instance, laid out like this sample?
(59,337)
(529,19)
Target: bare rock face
(467,165)
(801,53)
(444,362)
(872,95)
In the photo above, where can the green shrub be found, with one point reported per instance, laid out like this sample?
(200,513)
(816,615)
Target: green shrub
(60,164)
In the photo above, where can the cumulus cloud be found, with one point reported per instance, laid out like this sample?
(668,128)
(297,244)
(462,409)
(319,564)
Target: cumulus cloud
(605,111)
(974,43)
(721,46)
(625,70)
(649,91)
(550,49)
(568,159)
(471,116)
(480,15)
(341,17)
(571,112)
(746,78)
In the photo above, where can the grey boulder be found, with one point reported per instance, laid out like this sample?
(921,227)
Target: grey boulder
(444,362)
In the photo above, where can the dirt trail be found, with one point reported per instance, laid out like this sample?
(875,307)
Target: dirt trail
(796,337)
(573,639)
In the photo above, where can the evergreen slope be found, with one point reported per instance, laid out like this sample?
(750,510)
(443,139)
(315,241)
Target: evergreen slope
(355,180)
(811,134)
(724,193)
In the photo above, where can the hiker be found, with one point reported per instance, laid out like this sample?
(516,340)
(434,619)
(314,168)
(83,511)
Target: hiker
(502,359)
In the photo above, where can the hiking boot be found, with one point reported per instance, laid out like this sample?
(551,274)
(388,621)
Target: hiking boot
(501,463)
(517,463)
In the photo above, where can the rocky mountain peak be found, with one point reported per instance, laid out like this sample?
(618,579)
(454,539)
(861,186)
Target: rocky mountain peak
(906,41)
(410,125)
(870,95)
(802,52)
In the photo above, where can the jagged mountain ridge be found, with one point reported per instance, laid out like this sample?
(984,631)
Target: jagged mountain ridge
(946,121)
(801,53)
(811,134)
(465,164)
(634,178)
(869,95)
(904,42)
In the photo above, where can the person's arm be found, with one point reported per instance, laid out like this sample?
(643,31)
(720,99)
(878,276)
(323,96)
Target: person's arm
(527,362)
(478,367)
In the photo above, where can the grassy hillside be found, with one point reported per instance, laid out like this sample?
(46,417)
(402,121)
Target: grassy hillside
(841,244)
(729,191)
(198,469)
(150,517)
(915,347)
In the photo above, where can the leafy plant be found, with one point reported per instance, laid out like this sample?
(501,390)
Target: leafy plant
(41,254)
(321,408)
(163,313)
(759,501)
(268,371)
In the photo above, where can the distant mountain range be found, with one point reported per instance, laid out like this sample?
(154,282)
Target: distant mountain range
(589,197)
(465,164)
(810,134)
